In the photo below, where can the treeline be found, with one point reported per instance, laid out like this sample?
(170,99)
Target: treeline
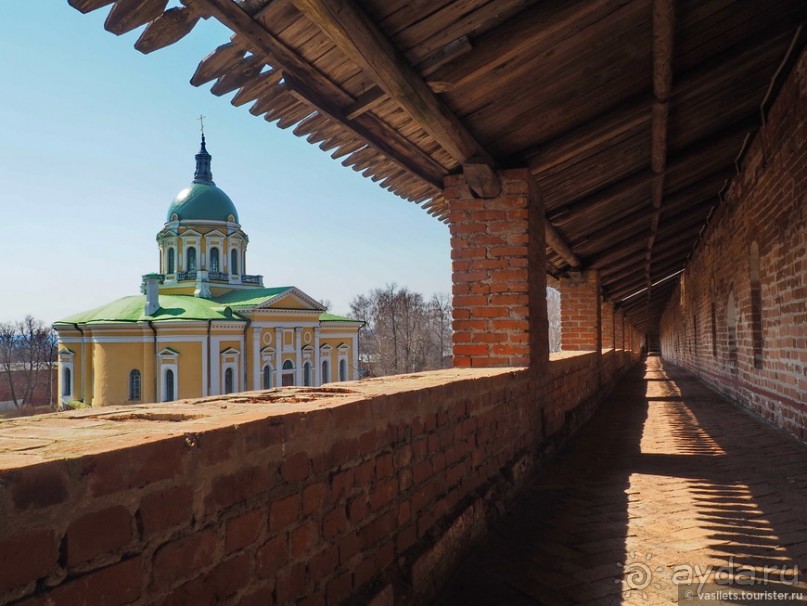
(27,360)
(404,332)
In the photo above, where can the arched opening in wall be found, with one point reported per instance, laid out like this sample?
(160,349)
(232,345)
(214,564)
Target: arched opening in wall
(731,329)
(169,393)
(191,265)
(326,371)
(67,386)
(343,370)
(171,261)
(233,261)
(268,371)
(228,381)
(307,374)
(288,373)
(756,305)
(714,330)
(553,317)
(134,385)
(214,259)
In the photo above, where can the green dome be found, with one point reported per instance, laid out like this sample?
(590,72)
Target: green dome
(202,201)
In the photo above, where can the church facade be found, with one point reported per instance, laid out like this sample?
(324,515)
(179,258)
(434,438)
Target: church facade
(202,326)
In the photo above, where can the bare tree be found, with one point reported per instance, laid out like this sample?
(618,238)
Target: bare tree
(403,332)
(27,349)
(553,313)
(8,345)
(440,308)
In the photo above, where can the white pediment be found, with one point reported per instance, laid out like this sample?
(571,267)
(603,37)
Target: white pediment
(293,298)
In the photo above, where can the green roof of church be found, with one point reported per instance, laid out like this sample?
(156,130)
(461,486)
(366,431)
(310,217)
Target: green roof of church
(202,201)
(251,297)
(172,307)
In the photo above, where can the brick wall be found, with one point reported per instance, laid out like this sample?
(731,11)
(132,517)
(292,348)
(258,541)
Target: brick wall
(42,390)
(369,491)
(738,318)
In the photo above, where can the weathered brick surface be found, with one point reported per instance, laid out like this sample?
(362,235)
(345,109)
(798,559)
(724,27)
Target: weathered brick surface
(498,273)
(308,503)
(97,533)
(709,326)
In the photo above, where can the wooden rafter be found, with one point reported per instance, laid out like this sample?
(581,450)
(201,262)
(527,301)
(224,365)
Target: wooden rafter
(545,25)
(663,34)
(559,245)
(319,92)
(360,39)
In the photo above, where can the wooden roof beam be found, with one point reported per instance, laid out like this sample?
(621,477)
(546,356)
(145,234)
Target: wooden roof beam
(362,41)
(559,245)
(543,26)
(620,265)
(318,91)
(663,34)
(170,27)
(588,136)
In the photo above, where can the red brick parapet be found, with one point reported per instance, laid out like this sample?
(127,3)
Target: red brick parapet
(363,490)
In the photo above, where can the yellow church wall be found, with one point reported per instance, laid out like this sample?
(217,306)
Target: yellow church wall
(190,369)
(112,363)
(236,344)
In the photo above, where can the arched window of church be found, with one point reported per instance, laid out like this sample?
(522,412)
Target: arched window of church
(67,387)
(267,377)
(168,384)
(214,259)
(134,385)
(191,259)
(343,370)
(228,381)
(326,372)
(288,373)
(307,374)
(233,261)
(171,261)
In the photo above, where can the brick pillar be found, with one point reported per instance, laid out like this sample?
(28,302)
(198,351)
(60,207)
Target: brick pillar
(607,325)
(619,329)
(580,311)
(498,273)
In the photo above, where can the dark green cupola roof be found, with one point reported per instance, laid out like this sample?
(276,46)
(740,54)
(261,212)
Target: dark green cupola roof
(202,200)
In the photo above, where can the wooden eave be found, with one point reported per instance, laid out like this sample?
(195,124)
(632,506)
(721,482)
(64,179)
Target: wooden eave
(632,115)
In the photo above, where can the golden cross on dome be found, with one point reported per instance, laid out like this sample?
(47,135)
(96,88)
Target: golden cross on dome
(202,123)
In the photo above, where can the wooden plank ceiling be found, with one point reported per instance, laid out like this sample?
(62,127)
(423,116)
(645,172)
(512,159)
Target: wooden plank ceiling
(631,114)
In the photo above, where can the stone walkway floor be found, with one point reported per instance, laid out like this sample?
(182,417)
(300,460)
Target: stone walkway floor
(668,483)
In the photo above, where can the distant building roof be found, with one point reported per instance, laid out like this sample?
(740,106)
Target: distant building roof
(172,308)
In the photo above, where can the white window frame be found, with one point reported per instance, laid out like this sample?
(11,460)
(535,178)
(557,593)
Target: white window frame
(271,376)
(164,384)
(288,371)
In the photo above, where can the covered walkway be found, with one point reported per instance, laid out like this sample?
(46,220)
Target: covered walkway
(667,480)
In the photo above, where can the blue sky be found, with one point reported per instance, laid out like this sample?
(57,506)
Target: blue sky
(96,139)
